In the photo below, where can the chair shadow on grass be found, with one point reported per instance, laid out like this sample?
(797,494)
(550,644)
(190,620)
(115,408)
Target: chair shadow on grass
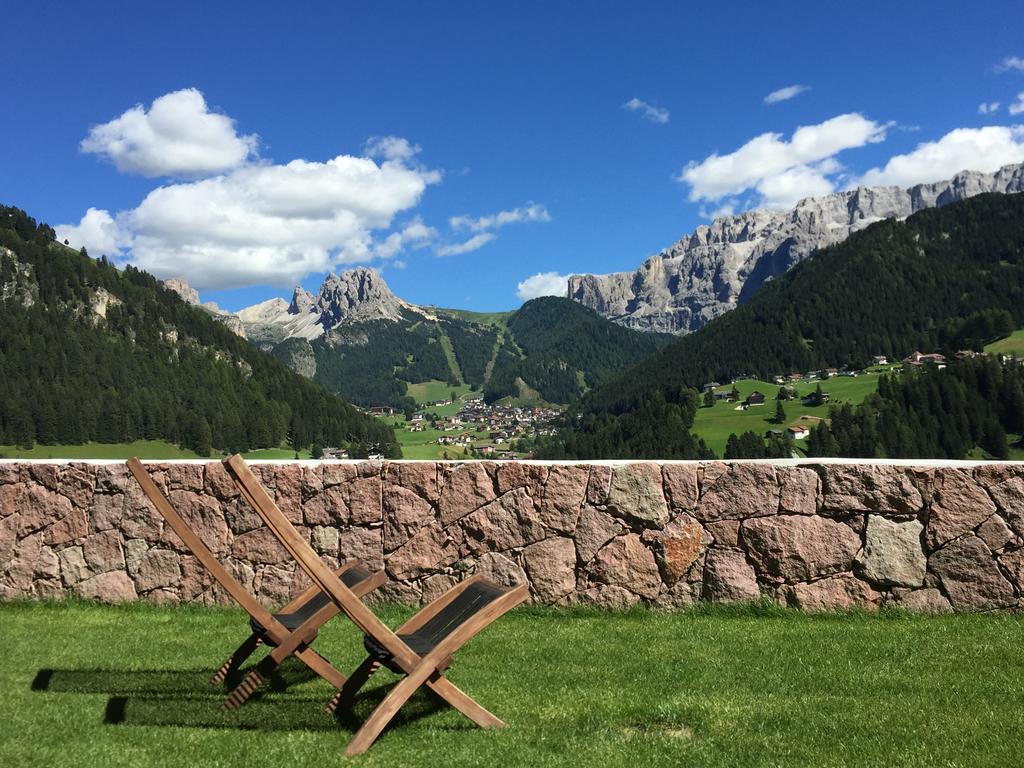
(186,698)
(159,681)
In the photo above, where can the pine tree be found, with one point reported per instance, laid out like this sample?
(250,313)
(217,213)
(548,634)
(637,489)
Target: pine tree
(780,413)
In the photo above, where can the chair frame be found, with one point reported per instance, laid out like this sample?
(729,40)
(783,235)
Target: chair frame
(287,642)
(417,670)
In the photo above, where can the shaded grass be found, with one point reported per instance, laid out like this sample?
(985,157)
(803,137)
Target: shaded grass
(711,687)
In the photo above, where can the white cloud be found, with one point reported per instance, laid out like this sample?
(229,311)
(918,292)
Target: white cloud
(782,172)
(1011,64)
(531,212)
(484,226)
(271,224)
(97,232)
(963,149)
(647,111)
(1018,106)
(391,148)
(727,208)
(543,284)
(785,94)
(178,136)
(474,243)
(988,107)
(415,234)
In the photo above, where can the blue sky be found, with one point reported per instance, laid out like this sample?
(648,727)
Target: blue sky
(532,137)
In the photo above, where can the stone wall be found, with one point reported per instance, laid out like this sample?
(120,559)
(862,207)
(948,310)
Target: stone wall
(812,535)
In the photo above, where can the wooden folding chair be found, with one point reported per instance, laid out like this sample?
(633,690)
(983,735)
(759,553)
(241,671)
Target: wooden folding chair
(290,631)
(420,650)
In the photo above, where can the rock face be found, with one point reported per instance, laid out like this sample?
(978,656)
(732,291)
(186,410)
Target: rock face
(815,537)
(190,295)
(354,296)
(719,266)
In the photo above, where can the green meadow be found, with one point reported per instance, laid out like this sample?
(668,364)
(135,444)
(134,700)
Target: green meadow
(1011,345)
(92,685)
(716,423)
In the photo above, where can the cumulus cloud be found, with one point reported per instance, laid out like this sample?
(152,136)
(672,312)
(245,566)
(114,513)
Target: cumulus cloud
(1018,106)
(963,149)
(1011,64)
(988,107)
(647,111)
(531,212)
(474,243)
(543,284)
(782,172)
(413,235)
(271,224)
(785,94)
(97,232)
(177,136)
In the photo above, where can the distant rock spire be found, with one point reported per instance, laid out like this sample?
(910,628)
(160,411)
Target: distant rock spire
(302,301)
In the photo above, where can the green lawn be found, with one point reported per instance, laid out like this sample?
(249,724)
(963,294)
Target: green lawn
(1011,345)
(428,391)
(716,423)
(144,449)
(87,685)
(422,445)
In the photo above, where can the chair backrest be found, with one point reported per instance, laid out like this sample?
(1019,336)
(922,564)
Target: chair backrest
(198,548)
(310,562)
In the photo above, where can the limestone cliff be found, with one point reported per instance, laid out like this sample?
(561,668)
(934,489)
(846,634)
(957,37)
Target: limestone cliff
(710,271)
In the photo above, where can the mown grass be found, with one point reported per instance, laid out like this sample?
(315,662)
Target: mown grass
(126,686)
(143,449)
(1011,345)
(716,423)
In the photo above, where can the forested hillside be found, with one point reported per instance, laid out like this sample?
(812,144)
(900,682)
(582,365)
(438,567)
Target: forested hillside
(562,349)
(92,353)
(550,346)
(944,279)
(934,413)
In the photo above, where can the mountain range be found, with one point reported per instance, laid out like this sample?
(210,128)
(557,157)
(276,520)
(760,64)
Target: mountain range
(943,280)
(358,339)
(721,265)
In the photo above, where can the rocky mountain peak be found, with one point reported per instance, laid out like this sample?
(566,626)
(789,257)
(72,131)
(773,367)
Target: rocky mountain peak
(187,293)
(190,295)
(721,264)
(356,295)
(302,301)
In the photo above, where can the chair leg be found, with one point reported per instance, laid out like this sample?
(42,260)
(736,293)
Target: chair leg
(386,710)
(347,692)
(255,677)
(444,688)
(236,659)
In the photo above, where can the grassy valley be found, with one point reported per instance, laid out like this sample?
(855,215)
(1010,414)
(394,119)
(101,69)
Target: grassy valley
(551,350)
